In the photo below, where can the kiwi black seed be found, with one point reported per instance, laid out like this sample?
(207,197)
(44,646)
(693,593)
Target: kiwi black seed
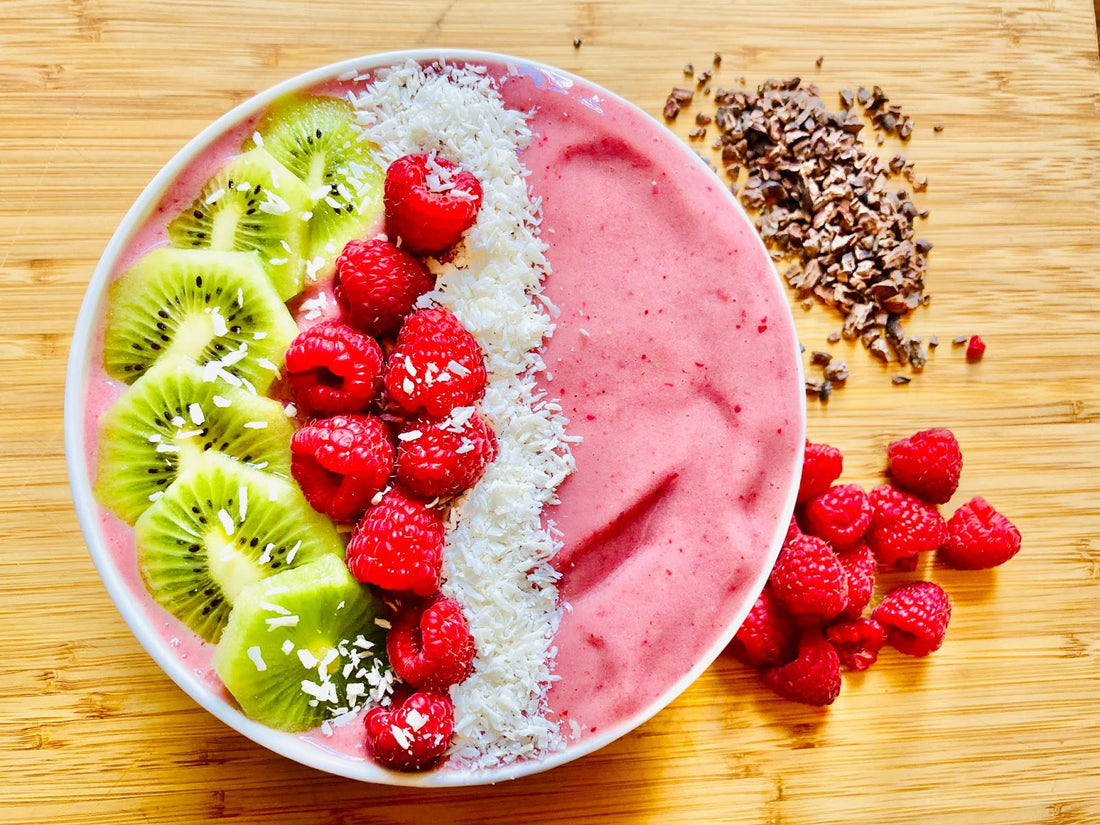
(171,416)
(303,646)
(209,306)
(219,527)
(252,204)
(316,137)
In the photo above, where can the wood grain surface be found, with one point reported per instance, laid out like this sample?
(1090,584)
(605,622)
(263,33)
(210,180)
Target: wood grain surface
(1000,726)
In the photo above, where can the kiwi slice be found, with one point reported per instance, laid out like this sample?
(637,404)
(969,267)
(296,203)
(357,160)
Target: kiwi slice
(303,646)
(316,137)
(220,527)
(252,204)
(170,417)
(210,306)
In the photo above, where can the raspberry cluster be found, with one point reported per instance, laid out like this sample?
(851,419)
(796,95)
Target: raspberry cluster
(392,433)
(812,619)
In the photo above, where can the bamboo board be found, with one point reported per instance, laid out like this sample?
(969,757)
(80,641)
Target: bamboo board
(1000,726)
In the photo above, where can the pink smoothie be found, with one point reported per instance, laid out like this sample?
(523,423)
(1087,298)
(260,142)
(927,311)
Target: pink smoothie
(674,358)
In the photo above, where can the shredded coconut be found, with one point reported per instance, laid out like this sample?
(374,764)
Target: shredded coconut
(498,555)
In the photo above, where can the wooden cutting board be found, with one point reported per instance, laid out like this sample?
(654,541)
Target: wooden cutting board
(999,726)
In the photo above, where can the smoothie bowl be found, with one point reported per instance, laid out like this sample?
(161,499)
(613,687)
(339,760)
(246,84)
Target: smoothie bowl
(434,418)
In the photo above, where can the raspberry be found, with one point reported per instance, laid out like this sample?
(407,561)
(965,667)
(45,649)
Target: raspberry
(859,568)
(377,285)
(821,466)
(445,457)
(979,537)
(927,464)
(436,364)
(341,463)
(430,202)
(809,580)
(840,515)
(412,736)
(902,526)
(975,348)
(767,635)
(915,617)
(430,646)
(398,545)
(857,642)
(332,368)
(813,677)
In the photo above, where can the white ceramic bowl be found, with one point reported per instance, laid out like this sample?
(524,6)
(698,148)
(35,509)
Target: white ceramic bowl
(80,435)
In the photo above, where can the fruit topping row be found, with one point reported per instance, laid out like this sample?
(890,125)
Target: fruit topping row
(240,517)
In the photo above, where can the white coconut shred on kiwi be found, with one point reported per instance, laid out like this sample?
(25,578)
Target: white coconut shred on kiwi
(497,562)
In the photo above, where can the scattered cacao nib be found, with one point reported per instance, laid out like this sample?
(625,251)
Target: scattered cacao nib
(681,95)
(901,380)
(697,133)
(672,109)
(938,127)
(959,340)
(933,342)
(576,42)
(819,358)
(833,337)
(837,370)
(704,76)
(703,119)
(717,60)
(689,70)
(819,61)
(824,203)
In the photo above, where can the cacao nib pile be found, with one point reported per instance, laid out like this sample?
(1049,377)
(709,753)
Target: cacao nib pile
(841,218)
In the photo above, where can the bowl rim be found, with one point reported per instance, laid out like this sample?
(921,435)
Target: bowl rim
(291,746)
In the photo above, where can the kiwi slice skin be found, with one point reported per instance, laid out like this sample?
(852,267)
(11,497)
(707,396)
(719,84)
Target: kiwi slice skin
(150,432)
(220,527)
(311,615)
(316,137)
(203,304)
(252,204)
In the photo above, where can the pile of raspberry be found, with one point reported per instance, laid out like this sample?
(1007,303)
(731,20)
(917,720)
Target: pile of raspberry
(812,620)
(392,435)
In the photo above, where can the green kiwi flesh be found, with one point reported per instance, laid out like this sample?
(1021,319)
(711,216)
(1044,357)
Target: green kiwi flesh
(252,204)
(209,306)
(169,418)
(316,137)
(302,647)
(220,527)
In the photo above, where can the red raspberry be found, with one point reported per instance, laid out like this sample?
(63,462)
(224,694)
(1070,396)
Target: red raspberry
(915,617)
(813,677)
(927,464)
(436,364)
(975,348)
(332,368)
(859,568)
(398,545)
(809,580)
(412,736)
(979,537)
(341,463)
(767,635)
(821,466)
(840,515)
(902,525)
(445,457)
(857,642)
(430,645)
(430,202)
(377,285)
